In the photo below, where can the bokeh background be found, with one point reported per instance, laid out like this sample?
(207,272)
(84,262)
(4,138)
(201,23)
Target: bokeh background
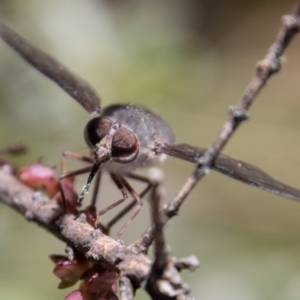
(187,60)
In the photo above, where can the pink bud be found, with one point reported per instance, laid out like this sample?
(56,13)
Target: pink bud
(98,281)
(79,295)
(110,296)
(69,271)
(75,295)
(38,177)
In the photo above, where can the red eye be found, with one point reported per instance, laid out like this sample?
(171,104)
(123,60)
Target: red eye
(96,129)
(124,145)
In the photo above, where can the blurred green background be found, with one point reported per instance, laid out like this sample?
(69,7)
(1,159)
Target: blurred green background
(187,60)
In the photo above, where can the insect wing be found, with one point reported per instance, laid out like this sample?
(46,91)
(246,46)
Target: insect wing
(235,169)
(76,87)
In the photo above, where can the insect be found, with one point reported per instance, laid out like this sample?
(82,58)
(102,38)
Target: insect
(123,138)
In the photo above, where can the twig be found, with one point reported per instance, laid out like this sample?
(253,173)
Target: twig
(126,289)
(161,252)
(191,263)
(76,232)
(237,114)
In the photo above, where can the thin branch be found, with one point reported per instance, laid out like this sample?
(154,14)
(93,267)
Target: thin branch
(191,263)
(76,232)
(161,252)
(96,246)
(237,114)
(126,289)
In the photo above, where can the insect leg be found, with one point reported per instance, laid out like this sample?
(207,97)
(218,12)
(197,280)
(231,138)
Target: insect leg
(124,211)
(66,186)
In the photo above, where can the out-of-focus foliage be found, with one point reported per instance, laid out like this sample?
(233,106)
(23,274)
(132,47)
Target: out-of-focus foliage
(187,61)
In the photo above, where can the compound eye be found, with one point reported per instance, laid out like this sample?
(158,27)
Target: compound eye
(96,129)
(125,146)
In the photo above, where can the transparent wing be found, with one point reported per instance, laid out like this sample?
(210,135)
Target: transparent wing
(77,88)
(235,169)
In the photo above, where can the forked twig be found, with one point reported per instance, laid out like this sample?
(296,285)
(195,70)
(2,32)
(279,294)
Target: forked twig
(237,114)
